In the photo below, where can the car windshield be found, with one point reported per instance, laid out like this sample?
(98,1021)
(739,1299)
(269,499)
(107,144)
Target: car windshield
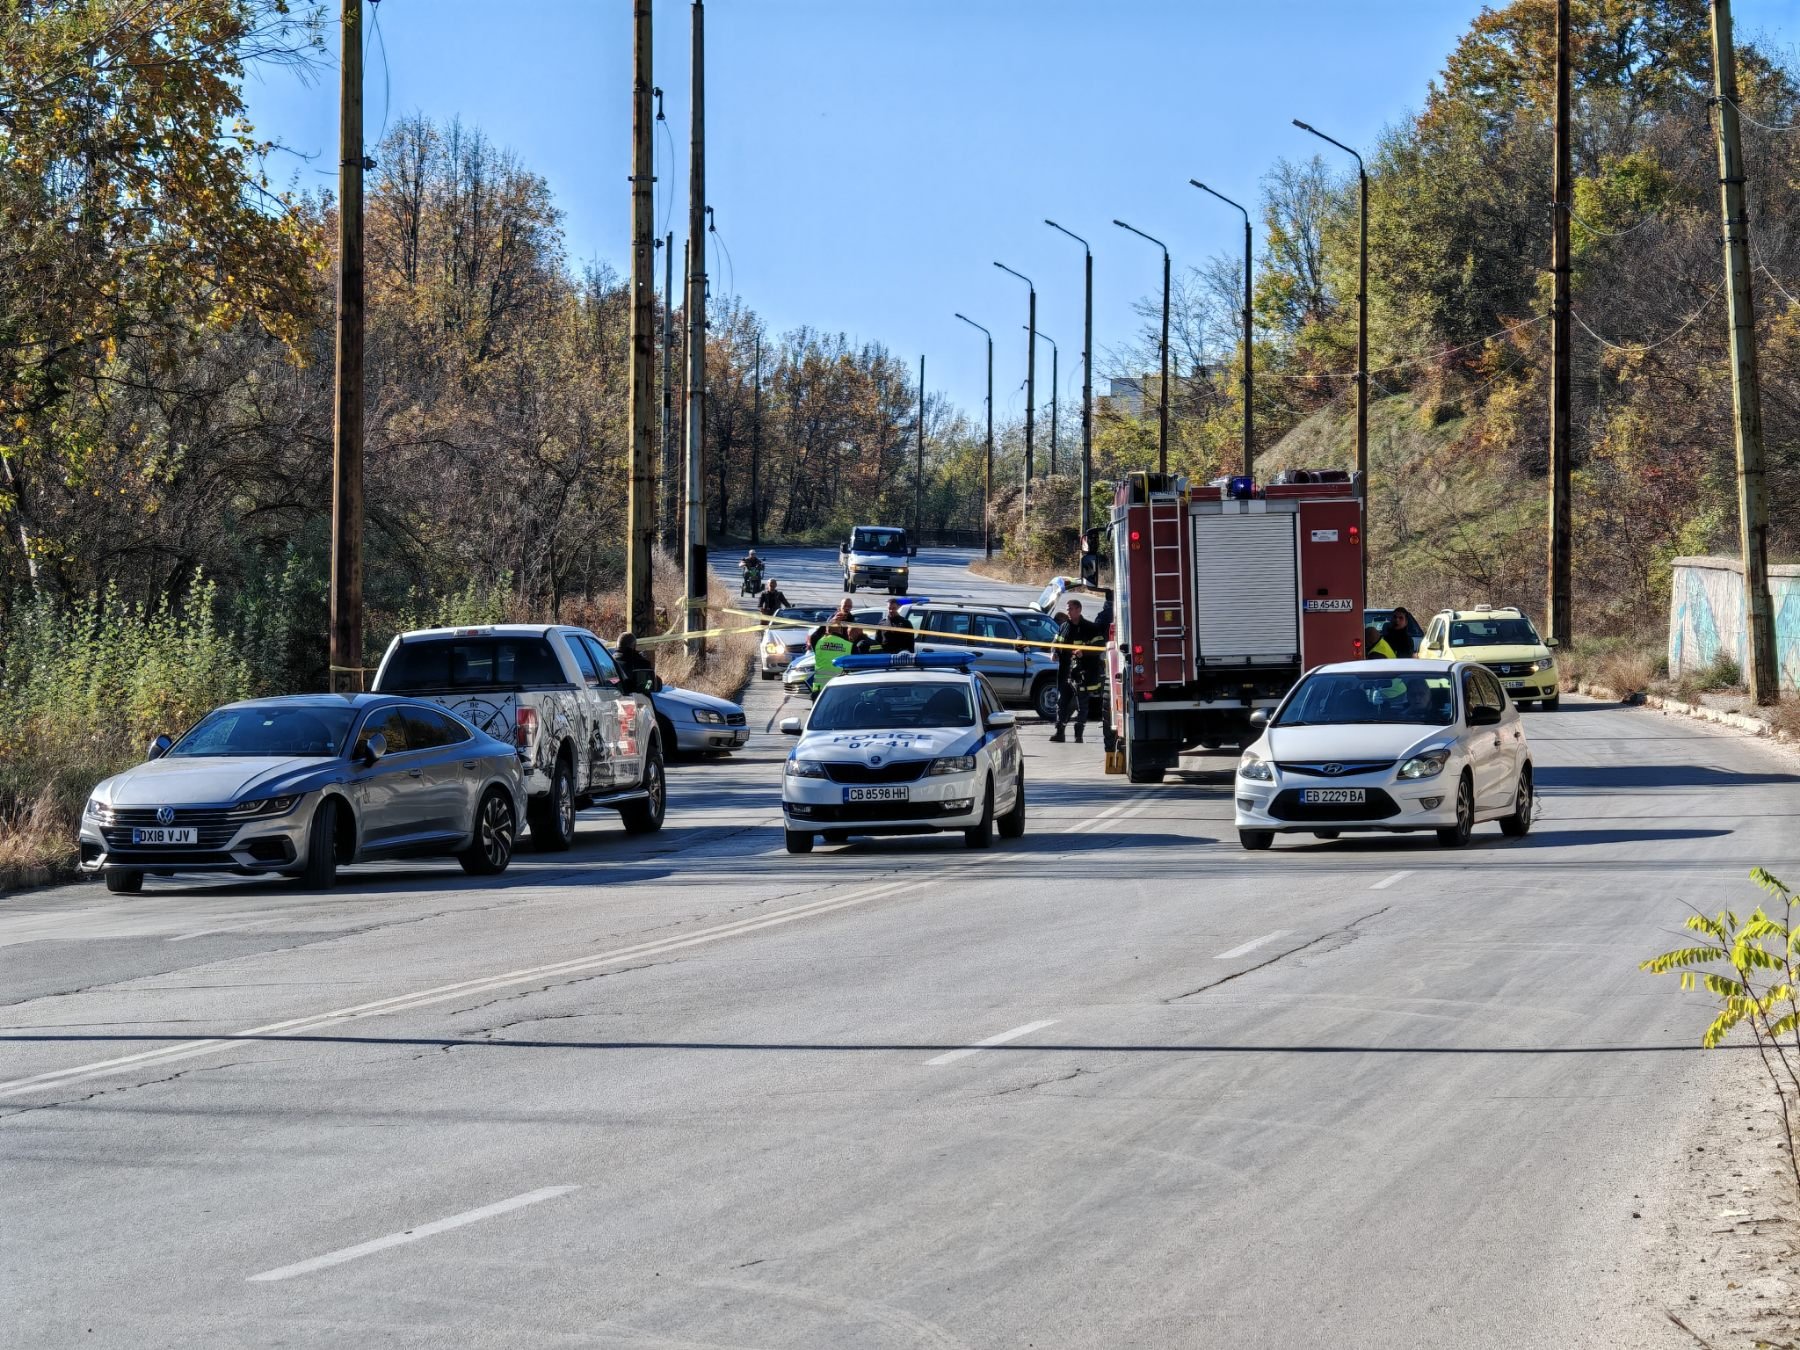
(470,663)
(1507,632)
(269,731)
(1338,698)
(845,705)
(878,541)
(805,613)
(1036,627)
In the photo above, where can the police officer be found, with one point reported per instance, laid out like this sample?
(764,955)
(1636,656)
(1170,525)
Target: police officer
(896,633)
(1077,671)
(830,642)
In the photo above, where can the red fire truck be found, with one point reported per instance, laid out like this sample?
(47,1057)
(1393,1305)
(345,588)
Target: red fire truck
(1223,598)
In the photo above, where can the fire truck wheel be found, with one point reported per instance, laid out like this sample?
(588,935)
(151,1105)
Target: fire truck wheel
(1135,769)
(1256,840)
(982,835)
(1012,824)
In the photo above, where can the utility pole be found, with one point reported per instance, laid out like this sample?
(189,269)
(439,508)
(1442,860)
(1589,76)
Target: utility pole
(697,580)
(1763,671)
(919,471)
(346,660)
(756,448)
(670,499)
(1087,379)
(1560,600)
(987,482)
(641,504)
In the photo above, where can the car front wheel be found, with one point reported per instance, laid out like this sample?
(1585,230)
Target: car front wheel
(124,881)
(645,815)
(321,848)
(1455,836)
(552,818)
(982,834)
(1518,824)
(798,841)
(1012,824)
(1256,840)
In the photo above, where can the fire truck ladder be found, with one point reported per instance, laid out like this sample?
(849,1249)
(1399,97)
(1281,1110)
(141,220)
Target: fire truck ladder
(1168,590)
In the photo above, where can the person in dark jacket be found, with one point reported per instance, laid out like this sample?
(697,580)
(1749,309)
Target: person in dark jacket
(771,599)
(630,660)
(1078,672)
(896,633)
(1398,634)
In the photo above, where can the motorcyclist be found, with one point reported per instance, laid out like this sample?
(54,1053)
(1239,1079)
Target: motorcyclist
(771,599)
(1078,672)
(752,568)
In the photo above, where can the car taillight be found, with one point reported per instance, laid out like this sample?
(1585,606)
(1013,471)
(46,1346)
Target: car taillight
(1356,646)
(524,727)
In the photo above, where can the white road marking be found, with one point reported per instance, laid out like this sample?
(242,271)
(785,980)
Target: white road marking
(1001,1039)
(229,928)
(1250,946)
(424,1230)
(301,1026)
(1385,882)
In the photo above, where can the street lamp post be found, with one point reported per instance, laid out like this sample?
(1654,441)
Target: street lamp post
(1054,386)
(1030,368)
(987,486)
(1249,378)
(1362,305)
(1162,409)
(1087,379)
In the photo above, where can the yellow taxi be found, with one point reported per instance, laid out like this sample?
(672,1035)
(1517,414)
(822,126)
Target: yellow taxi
(1501,638)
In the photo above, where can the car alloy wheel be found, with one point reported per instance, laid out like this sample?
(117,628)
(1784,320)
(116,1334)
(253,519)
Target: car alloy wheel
(1455,836)
(1518,824)
(496,831)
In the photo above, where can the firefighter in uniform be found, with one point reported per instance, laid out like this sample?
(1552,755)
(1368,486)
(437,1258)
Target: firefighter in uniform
(1078,671)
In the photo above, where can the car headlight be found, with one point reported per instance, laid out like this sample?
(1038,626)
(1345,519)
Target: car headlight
(1428,765)
(951,764)
(1256,768)
(266,806)
(772,648)
(804,768)
(97,810)
(708,715)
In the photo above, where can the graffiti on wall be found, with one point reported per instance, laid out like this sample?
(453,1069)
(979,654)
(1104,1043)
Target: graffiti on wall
(1707,617)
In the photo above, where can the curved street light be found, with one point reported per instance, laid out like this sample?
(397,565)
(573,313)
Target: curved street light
(987,485)
(1362,303)
(1030,368)
(1249,378)
(1087,378)
(1055,377)
(1162,401)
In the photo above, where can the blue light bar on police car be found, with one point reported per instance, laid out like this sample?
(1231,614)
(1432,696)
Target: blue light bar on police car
(907,661)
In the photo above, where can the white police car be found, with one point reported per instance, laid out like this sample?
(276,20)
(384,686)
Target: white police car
(904,745)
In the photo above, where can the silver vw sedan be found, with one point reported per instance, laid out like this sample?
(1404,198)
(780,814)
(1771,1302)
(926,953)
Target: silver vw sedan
(299,786)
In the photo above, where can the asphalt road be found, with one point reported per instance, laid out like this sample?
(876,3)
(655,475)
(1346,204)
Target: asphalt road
(687,1091)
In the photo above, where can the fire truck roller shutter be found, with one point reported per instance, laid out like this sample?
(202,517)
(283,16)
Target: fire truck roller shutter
(1247,580)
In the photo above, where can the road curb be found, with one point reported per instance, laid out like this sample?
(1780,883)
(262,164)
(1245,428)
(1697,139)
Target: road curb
(1750,726)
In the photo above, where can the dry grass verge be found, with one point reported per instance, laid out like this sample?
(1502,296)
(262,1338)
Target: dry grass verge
(1011,570)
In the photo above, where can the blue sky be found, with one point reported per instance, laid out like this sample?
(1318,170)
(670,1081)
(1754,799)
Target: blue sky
(869,159)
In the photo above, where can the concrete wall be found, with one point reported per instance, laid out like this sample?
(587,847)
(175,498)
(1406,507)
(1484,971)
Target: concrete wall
(1707,616)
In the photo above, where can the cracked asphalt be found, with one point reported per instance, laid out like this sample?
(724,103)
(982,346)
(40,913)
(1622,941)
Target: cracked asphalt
(1359,1093)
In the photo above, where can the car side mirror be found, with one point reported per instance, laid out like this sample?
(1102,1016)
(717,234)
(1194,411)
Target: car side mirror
(999,721)
(790,726)
(374,748)
(1553,642)
(643,682)
(1259,717)
(1484,716)
(160,747)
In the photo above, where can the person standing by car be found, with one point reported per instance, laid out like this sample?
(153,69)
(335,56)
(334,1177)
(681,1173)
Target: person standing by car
(1078,671)
(1398,634)
(830,644)
(771,599)
(1375,645)
(896,633)
(631,661)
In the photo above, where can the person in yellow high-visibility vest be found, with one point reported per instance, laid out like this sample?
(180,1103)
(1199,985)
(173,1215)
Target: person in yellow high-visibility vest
(1375,646)
(829,645)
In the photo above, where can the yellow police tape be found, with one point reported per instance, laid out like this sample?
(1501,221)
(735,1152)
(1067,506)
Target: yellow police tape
(962,639)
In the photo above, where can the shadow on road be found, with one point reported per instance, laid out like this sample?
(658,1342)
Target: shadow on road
(1625,777)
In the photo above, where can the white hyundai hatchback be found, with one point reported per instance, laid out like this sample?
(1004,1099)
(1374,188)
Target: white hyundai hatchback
(1387,745)
(904,744)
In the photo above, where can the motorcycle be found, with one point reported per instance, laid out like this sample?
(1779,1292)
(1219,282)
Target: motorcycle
(752,582)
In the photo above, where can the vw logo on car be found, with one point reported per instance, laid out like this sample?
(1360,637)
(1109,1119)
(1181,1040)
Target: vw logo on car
(165,815)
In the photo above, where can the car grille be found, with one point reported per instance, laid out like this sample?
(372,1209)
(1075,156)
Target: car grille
(736,719)
(1513,668)
(852,811)
(1337,768)
(1288,806)
(213,828)
(898,771)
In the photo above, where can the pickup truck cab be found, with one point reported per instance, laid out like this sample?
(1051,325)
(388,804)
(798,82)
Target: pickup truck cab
(876,555)
(585,731)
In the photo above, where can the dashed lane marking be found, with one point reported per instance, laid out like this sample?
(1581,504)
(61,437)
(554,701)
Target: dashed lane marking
(1244,949)
(1385,882)
(991,1041)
